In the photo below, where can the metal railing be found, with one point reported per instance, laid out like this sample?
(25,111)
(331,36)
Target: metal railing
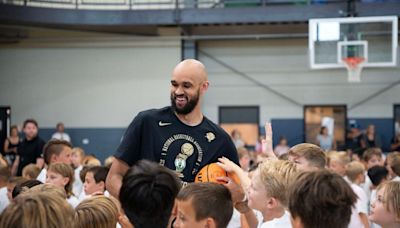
(160,4)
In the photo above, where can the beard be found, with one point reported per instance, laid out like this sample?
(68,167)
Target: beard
(188,107)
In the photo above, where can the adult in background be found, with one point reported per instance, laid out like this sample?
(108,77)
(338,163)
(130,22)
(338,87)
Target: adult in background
(30,149)
(371,138)
(325,140)
(179,136)
(11,144)
(60,134)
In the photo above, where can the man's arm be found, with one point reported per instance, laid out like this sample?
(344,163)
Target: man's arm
(114,177)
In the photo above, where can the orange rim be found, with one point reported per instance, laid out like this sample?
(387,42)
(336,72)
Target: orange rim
(353,61)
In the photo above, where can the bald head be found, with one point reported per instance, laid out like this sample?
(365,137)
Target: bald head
(188,85)
(193,69)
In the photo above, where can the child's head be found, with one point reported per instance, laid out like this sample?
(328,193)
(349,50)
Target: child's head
(108,161)
(40,209)
(61,175)
(377,175)
(282,141)
(30,171)
(24,186)
(149,182)
(385,211)
(204,205)
(4,175)
(91,160)
(48,188)
(372,157)
(320,199)
(12,182)
(269,185)
(95,180)
(395,166)
(338,161)
(244,158)
(78,154)
(57,151)
(355,172)
(388,162)
(96,212)
(307,157)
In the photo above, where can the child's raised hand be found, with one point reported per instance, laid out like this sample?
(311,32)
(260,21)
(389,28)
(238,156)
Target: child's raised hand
(267,142)
(227,164)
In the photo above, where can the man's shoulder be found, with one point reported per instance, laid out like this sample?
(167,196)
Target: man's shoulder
(155,113)
(215,127)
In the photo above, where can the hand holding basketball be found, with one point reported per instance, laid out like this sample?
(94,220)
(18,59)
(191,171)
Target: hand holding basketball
(227,165)
(213,173)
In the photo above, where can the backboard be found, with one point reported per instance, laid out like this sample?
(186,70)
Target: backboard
(332,41)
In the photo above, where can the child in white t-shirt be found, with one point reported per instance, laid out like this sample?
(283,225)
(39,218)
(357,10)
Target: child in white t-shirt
(355,174)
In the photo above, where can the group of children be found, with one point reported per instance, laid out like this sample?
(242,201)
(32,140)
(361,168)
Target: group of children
(306,188)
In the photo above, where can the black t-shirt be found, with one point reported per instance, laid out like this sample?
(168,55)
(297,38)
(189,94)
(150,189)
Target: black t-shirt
(28,151)
(158,135)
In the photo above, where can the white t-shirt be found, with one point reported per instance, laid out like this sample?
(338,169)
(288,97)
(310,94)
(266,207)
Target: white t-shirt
(281,222)
(355,220)
(61,136)
(235,220)
(42,175)
(3,199)
(367,185)
(73,201)
(78,185)
(361,206)
(397,178)
(362,201)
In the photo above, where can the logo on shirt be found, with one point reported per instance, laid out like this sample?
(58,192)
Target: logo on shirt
(180,161)
(210,136)
(163,124)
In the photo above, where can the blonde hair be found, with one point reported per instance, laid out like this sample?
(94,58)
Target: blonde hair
(108,162)
(78,150)
(91,160)
(96,212)
(30,171)
(65,171)
(340,157)
(391,156)
(312,153)
(354,169)
(47,188)
(42,209)
(391,196)
(276,176)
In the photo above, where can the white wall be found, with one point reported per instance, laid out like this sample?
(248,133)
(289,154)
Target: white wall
(102,85)
(106,84)
(283,65)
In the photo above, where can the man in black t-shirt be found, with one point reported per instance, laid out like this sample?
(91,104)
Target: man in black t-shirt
(179,137)
(30,149)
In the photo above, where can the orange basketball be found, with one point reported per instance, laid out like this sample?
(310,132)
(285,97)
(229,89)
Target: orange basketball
(211,172)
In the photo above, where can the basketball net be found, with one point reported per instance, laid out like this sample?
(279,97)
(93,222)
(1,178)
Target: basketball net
(354,66)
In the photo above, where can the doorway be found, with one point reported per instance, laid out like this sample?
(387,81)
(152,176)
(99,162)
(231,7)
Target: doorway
(332,116)
(5,121)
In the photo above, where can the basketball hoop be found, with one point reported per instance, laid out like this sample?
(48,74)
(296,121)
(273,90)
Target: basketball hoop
(354,66)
